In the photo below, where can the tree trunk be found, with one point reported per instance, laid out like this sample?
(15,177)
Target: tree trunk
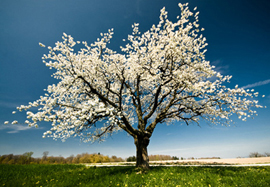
(142,159)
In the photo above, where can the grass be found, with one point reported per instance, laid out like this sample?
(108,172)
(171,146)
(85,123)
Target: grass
(79,175)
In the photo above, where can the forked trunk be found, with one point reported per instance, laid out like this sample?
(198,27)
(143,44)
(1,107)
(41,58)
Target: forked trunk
(142,159)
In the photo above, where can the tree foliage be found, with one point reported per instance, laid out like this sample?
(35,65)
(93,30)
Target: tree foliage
(256,154)
(154,158)
(79,158)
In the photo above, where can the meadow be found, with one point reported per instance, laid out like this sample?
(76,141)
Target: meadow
(80,175)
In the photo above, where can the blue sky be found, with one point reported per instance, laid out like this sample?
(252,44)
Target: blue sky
(238,36)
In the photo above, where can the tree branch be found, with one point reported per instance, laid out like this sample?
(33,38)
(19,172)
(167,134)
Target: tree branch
(155,105)
(131,130)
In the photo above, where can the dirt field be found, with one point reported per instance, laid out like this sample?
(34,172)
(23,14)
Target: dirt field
(233,161)
(260,160)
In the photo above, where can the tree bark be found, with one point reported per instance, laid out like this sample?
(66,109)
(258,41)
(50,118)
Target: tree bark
(142,159)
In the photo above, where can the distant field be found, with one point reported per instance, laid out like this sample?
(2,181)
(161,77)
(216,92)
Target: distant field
(80,175)
(205,162)
(232,161)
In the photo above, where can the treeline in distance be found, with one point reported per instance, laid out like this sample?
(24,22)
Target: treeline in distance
(27,158)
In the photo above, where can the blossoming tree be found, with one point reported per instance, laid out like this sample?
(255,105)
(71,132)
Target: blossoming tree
(160,76)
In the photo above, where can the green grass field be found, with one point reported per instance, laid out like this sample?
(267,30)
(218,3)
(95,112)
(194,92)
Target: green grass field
(79,175)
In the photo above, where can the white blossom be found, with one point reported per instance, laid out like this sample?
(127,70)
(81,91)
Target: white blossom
(14,122)
(160,76)
(41,45)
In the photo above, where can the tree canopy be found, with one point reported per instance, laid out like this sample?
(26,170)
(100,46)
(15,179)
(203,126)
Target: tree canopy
(160,76)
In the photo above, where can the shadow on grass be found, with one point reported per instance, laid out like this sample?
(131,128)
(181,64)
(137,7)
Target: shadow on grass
(79,175)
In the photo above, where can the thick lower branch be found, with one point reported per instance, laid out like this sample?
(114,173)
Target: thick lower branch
(100,96)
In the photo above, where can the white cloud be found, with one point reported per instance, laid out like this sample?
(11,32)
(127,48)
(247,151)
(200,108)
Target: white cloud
(15,128)
(260,83)
(219,67)
(9,104)
(138,7)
